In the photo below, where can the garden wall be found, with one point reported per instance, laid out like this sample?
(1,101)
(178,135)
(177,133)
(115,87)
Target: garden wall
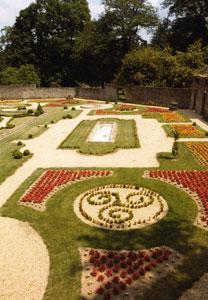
(19,92)
(158,96)
(109,92)
(199,97)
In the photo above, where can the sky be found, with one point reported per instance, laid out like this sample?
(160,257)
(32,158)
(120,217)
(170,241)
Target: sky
(9,9)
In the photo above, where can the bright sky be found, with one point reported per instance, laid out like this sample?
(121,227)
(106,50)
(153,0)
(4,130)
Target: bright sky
(9,9)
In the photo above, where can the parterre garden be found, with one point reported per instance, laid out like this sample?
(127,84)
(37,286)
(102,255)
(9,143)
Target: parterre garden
(126,137)
(120,233)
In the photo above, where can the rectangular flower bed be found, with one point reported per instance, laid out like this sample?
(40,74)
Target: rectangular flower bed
(185,130)
(200,151)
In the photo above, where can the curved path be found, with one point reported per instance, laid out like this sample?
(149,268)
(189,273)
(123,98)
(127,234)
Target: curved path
(24,262)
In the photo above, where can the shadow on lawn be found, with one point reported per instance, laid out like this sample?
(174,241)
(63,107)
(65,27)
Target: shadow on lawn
(175,234)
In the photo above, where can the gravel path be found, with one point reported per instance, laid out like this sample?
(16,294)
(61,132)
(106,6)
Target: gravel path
(199,291)
(24,262)
(4,122)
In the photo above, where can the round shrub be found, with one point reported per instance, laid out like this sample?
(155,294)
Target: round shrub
(26,152)
(17,154)
(64,117)
(73,108)
(52,122)
(30,136)
(65,106)
(19,143)
(30,111)
(46,126)
(69,116)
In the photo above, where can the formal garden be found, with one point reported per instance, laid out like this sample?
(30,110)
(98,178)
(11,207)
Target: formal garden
(103,150)
(106,233)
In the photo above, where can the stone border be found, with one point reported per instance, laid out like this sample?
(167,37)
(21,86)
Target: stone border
(113,132)
(120,227)
(193,195)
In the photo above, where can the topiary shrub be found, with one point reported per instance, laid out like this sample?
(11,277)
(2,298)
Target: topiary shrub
(17,154)
(46,126)
(65,106)
(69,116)
(26,152)
(73,108)
(30,136)
(19,143)
(52,122)
(39,110)
(30,111)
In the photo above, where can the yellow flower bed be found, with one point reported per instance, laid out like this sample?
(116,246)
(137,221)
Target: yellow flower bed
(200,151)
(188,130)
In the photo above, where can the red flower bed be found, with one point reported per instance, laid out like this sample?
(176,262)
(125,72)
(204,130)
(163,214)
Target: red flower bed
(115,280)
(194,181)
(51,180)
(156,110)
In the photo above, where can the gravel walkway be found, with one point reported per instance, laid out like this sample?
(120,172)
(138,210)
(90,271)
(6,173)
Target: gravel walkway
(24,262)
(199,291)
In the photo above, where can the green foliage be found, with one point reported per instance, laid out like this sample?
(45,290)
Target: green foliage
(155,67)
(188,24)
(17,154)
(19,76)
(39,110)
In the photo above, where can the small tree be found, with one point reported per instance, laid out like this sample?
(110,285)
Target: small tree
(39,110)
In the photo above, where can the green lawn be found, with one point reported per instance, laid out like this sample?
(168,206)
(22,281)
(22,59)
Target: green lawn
(126,137)
(64,233)
(8,165)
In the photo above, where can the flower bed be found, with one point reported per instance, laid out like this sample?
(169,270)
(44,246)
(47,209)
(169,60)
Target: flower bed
(200,151)
(53,180)
(195,183)
(120,207)
(157,110)
(187,130)
(117,274)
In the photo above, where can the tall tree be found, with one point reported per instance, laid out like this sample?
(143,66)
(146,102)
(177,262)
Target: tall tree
(44,35)
(189,22)
(128,17)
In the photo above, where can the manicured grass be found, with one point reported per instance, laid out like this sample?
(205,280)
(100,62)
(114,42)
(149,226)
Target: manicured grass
(115,110)
(197,131)
(64,234)
(184,161)
(126,137)
(8,164)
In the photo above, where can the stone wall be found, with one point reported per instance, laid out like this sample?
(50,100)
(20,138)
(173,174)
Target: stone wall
(25,92)
(109,92)
(199,97)
(158,96)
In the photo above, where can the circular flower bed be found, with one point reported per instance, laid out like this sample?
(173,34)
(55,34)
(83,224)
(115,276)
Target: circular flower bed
(120,207)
